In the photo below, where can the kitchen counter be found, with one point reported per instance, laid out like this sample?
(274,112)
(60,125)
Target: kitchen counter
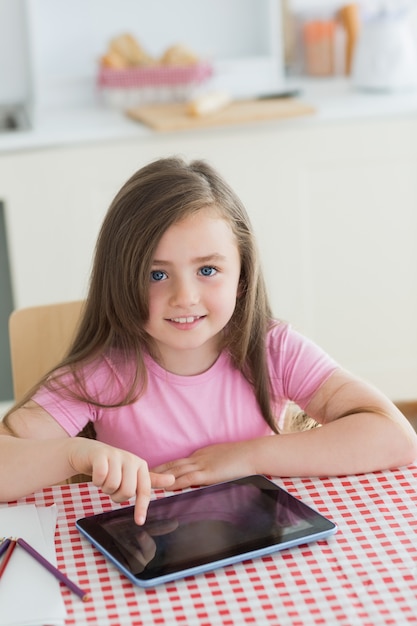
(75,125)
(334,100)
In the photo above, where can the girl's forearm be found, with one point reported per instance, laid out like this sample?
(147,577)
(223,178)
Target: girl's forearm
(27,465)
(352,445)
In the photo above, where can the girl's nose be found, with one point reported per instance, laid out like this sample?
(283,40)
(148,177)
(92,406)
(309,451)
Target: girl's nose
(184,293)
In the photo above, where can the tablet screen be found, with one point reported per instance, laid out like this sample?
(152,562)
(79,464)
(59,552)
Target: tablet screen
(204,528)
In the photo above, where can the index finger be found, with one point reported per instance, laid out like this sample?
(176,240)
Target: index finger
(143,495)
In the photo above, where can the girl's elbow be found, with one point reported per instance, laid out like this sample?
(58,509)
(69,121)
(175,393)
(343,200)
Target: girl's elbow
(408,451)
(6,492)
(412,456)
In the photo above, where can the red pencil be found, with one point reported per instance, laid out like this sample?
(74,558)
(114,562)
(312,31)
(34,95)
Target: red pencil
(53,570)
(8,553)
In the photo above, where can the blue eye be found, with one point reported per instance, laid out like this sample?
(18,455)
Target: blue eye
(157,275)
(207,270)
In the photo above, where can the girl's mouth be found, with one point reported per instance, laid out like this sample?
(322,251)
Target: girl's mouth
(185,320)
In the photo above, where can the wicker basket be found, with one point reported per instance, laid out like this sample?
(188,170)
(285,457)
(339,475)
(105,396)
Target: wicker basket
(124,88)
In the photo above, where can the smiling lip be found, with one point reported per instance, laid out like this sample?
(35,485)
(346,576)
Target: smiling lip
(185,320)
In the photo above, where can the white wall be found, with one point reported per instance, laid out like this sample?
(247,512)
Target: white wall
(14,65)
(80,29)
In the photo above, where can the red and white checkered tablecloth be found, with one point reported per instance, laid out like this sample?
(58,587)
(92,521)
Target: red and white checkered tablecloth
(364,575)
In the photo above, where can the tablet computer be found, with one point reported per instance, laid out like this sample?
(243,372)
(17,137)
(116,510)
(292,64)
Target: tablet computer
(202,529)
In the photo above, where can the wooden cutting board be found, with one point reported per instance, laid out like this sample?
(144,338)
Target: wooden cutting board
(174,116)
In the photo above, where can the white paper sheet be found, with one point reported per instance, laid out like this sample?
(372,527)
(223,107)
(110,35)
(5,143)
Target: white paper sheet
(29,594)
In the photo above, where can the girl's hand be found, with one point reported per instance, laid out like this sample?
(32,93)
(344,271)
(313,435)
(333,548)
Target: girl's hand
(118,473)
(212,464)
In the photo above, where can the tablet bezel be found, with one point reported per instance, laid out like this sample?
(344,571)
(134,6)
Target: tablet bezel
(92,528)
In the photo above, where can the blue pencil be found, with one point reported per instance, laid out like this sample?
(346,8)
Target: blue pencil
(9,551)
(4,545)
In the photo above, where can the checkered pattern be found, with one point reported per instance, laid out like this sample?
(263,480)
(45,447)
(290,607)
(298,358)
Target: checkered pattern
(364,575)
(154,76)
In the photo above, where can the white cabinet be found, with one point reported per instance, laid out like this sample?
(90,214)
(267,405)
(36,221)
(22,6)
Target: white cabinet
(334,206)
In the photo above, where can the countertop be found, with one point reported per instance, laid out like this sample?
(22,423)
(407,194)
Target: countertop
(334,100)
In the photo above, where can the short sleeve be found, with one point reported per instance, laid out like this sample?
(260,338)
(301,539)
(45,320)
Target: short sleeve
(297,365)
(103,385)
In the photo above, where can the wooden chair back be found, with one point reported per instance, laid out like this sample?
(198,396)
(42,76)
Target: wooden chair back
(39,337)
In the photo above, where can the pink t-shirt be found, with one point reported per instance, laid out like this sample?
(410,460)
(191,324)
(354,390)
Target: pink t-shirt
(179,414)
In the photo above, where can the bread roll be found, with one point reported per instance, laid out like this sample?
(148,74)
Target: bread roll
(208,103)
(113,60)
(179,55)
(127,47)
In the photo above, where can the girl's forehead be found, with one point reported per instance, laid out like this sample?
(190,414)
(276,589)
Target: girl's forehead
(204,230)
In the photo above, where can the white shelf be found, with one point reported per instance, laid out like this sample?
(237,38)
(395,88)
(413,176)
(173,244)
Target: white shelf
(334,100)
(337,99)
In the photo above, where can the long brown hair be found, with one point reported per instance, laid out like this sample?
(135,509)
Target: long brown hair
(116,309)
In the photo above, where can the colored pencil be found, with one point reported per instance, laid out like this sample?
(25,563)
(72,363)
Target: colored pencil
(53,570)
(8,553)
(4,545)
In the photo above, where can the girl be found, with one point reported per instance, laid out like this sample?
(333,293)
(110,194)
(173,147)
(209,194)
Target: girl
(180,366)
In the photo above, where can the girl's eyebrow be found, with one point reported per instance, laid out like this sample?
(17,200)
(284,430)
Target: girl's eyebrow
(199,259)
